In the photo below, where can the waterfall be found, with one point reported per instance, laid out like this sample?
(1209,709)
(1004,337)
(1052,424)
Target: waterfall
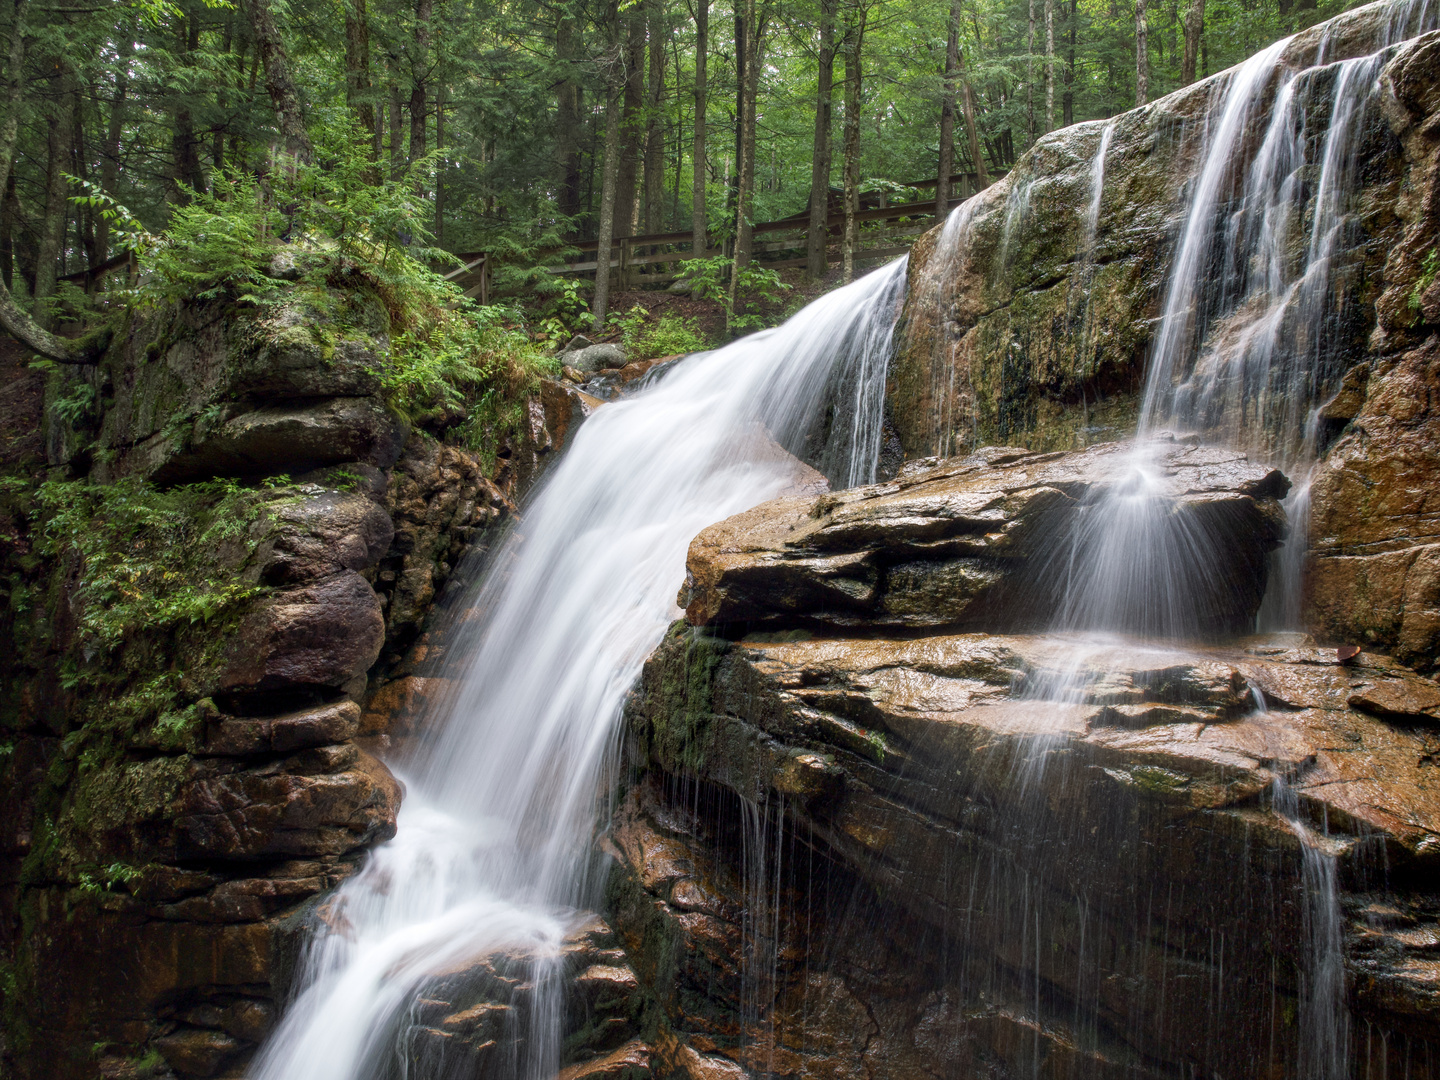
(495,846)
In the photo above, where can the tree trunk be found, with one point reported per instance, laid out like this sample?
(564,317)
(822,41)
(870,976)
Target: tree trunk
(278,81)
(1142,55)
(419,79)
(1194,29)
(1069,99)
(632,125)
(397,145)
(699,241)
(610,181)
(567,115)
(1030,75)
(59,124)
(967,101)
(947,114)
(745,190)
(110,157)
(1049,65)
(655,119)
(852,144)
(184,147)
(84,215)
(357,69)
(816,237)
(439,168)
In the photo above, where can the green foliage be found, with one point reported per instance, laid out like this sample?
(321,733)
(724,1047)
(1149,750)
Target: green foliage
(144,554)
(1427,278)
(647,339)
(709,279)
(104,879)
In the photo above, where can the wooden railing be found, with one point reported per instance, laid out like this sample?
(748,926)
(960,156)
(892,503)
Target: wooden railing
(652,260)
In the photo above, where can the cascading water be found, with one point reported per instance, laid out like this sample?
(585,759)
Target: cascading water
(495,843)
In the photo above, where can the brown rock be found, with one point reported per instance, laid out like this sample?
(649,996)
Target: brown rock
(1399,699)
(195,1051)
(322,802)
(629,1062)
(957,543)
(394,709)
(241,735)
(327,633)
(290,439)
(324,534)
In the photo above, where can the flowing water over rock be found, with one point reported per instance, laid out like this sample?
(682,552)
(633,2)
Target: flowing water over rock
(495,838)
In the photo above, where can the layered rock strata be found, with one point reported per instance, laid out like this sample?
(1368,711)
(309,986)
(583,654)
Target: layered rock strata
(175,798)
(965,855)
(992,540)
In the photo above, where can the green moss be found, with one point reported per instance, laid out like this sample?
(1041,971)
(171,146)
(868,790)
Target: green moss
(1427,278)
(681,710)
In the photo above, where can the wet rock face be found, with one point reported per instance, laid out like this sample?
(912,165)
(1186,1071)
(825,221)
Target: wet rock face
(163,838)
(1035,328)
(985,540)
(965,854)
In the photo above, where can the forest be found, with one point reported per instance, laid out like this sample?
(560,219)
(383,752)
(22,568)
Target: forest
(514,128)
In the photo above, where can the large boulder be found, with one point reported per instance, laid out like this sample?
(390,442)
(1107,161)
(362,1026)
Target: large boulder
(988,540)
(967,855)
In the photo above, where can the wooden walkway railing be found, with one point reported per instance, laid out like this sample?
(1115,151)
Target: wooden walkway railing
(652,260)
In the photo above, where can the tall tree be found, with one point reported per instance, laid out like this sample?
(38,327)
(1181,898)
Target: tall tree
(967,100)
(699,241)
(614,84)
(568,125)
(1049,65)
(632,124)
(357,69)
(420,72)
(1194,32)
(658,33)
(1142,55)
(947,114)
(817,234)
(854,43)
(749,101)
(284,95)
(1030,75)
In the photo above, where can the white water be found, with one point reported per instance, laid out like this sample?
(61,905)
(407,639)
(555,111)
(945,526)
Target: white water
(495,841)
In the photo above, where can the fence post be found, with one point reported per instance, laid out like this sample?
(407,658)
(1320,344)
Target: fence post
(624,275)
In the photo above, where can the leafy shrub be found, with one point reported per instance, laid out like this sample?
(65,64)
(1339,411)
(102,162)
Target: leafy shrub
(709,279)
(669,335)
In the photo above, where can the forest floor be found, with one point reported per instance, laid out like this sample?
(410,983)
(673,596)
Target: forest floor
(708,316)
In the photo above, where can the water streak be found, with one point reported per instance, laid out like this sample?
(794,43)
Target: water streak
(495,843)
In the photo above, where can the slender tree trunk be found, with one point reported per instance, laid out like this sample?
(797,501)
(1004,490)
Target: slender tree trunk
(1049,65)
(420,79)
(8,208)
(440,167)
(947,114)
(1030,75)
(967,101)
(185,150)
(610,181)
(655,119)
(57,193)
(84,215)
(1194,30)
(818,234)
(1142,55)
(853,75)
(278,81)
(632,125)
(358,94)
(699,240)
(1069,98)
(745,191)
(397,145)
(567,114)
(110,157)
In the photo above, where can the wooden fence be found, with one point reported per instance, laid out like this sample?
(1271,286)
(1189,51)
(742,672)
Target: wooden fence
(653,260)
